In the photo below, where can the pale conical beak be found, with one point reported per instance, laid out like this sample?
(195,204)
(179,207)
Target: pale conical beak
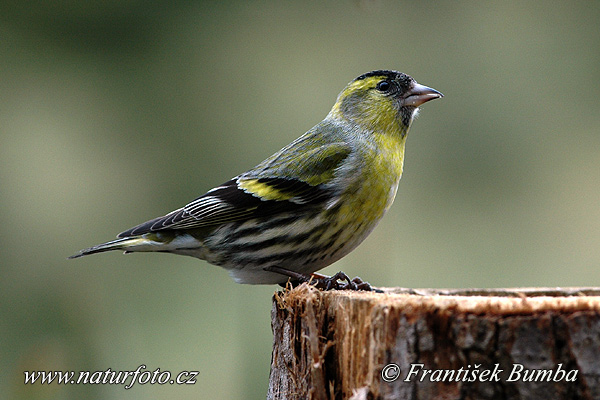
(420,94)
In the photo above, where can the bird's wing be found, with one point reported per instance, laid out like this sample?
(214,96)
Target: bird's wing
(278,184)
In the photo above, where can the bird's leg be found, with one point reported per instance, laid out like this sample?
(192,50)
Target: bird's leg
(296,278)
(339,281)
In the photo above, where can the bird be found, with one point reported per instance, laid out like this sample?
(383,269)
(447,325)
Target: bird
(306,206)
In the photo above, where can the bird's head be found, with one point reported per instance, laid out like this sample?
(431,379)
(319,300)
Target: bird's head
(384,101)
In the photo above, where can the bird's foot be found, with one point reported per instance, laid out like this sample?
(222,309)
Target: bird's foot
(339,281)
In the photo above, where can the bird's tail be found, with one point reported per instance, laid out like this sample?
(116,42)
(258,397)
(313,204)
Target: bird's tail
(126,244)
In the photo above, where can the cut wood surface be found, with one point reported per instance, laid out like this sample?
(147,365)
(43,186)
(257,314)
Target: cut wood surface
(417,344)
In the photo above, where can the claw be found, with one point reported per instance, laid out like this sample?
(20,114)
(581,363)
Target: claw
(339,281)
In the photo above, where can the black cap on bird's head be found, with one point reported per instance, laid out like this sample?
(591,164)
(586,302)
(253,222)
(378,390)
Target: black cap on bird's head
(381,97)
(401,78)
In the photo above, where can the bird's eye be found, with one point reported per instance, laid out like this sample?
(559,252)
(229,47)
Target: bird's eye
(384,86)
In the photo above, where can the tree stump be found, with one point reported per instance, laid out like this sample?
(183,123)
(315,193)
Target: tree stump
(436,344)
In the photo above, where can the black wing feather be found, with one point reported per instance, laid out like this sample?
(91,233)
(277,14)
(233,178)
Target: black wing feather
(228,203)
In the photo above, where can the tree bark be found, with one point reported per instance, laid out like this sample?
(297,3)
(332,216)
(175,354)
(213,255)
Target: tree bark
(436,344)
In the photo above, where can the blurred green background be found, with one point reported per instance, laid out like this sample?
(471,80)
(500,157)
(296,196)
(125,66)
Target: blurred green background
(114,112)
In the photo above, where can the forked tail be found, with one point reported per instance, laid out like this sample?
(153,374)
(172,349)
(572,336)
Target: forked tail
(118,244)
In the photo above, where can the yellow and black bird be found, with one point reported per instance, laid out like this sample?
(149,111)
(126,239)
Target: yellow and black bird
(306,206)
